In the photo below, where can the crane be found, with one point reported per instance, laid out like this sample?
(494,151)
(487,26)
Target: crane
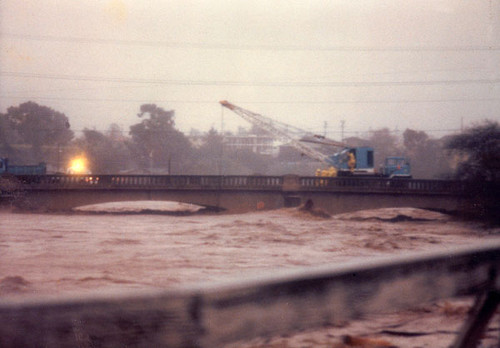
(348,161)
(287,133)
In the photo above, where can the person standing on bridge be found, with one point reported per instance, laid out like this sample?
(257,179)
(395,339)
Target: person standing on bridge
(351,162)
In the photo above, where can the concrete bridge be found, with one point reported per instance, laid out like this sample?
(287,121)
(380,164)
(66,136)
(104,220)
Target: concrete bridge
(236,194)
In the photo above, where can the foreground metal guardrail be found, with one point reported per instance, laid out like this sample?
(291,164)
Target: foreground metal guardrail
(232,182)
(214,315)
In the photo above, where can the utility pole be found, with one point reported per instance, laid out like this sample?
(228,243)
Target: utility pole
(342,125)
(221,120)
(221,154)
(58,157)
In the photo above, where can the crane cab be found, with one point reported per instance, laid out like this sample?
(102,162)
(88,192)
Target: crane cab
(354,160)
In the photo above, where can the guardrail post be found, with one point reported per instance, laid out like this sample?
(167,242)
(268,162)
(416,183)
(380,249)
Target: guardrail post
(481,314)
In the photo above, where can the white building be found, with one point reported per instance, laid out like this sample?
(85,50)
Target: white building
(259,144)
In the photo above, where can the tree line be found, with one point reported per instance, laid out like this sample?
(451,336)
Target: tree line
(32,133)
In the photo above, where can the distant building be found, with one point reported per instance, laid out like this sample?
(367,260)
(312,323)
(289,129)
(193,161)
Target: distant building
(196,140)
(259,144)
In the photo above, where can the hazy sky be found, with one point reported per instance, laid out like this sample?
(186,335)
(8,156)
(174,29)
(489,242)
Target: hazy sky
(424,64)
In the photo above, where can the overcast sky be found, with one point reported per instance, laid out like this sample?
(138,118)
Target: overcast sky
(430,65)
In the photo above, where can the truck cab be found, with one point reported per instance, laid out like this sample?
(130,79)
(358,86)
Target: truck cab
(396,167)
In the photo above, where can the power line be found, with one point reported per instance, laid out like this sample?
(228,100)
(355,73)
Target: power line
(248,83)
(87,88)
(223,46)
(305,102)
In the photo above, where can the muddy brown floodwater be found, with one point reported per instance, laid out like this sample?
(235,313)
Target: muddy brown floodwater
(52,254)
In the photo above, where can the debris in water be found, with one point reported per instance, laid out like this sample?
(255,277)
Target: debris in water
(13,284)
(354,341)
(308,207)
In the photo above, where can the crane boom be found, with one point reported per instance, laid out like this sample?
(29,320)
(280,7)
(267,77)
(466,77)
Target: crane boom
(348,161)
(269,126)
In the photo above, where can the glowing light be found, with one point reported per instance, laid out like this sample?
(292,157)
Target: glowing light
(78,165)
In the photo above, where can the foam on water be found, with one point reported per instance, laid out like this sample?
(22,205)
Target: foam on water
(131,207)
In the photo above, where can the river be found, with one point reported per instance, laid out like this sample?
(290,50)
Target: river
(89,253)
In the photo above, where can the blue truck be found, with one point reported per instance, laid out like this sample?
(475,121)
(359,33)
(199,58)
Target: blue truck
(396,167)
(7,168)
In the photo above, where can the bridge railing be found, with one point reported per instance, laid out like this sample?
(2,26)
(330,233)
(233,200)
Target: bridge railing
(152,181)
(381,185)
(268,306)
(355,184)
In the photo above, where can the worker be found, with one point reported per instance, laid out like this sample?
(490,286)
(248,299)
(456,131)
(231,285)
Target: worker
(332,172)
(351,162)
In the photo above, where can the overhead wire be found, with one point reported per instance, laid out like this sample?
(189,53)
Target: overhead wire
(269,47)
(305,102)
(220,46)
(248,83)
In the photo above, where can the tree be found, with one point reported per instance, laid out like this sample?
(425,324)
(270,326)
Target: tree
(246,162)
(412,139)
(478,153)
(155,141)
(37,126)
(209,159)
(384,144)
(8,137)
(106,153)
(427,155)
